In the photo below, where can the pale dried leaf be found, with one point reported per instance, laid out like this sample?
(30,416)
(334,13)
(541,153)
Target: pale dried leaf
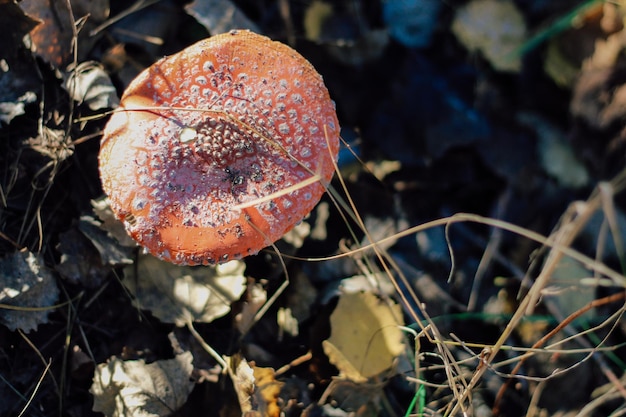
(29,288)
(494,27)
(178,294)
(287,323)
(136,389)
(365,338)
(296,236)
(242,375)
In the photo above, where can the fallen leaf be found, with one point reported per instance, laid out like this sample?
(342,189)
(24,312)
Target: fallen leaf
(494,27)
(54,38)
(364,399)
(256,297)
(111,252)
(178,294)
(411,22)
(556,153)
(347,37)
(110,223)
(242,375)
(27,289)
(91,85)
(220,16)
(566,290)
(365,338)
(80,262)
(266,392)
(11,109)
(136,389)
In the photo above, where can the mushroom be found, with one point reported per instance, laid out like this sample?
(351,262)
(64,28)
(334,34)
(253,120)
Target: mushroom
(219,150)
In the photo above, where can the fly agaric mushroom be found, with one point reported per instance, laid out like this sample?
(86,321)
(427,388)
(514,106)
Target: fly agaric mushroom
(219,150)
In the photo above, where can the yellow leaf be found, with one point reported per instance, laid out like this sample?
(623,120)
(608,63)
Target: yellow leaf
(365,337)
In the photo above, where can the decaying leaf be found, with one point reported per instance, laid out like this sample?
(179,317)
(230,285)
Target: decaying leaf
(27,288)
(136,389)
(177,294)
(365,338)
(494,27)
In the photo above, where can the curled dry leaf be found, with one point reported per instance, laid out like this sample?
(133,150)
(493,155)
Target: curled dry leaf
(242,375)
(27,289)
(219,150)
(177,294)
(136,389)
(256,388)
(365,338)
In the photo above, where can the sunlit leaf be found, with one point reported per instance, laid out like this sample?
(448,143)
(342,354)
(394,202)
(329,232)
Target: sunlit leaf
(136,389)
(365,337)
(178,294)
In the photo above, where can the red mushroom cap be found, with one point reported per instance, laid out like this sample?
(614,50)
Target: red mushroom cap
(199,134)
